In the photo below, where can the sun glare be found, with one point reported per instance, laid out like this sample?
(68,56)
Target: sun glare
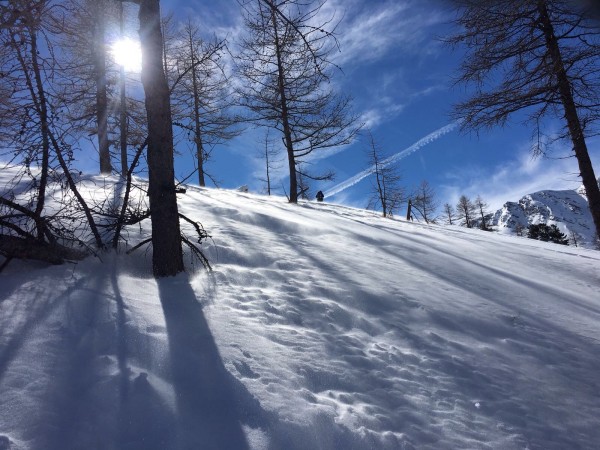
(128,53)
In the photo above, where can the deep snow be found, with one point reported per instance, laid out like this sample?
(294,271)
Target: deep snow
(321,327)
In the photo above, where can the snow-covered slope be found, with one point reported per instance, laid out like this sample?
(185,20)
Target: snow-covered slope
(321,327)
(567,209)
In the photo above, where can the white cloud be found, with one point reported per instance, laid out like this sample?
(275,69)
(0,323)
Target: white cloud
(371,117)
(515,178)
(380,113)
(387,107)
(223,20)
(370,30)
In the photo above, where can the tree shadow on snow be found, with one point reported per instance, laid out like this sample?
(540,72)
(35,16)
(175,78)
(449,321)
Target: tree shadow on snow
(211,403)
(96,399)
(144,420)
(454,373)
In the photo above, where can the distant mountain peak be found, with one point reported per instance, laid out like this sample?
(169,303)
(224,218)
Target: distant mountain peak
(567,209)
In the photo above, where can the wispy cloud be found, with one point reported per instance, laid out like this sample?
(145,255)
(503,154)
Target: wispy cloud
(515,178)
(370,31)
(222,19)
(384,107)
(373,36)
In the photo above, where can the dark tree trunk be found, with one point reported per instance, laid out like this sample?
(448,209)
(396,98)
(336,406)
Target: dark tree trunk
(167,257)
(197,127)
(586,169)
(43,115)
(101,96)
(380,188)
(123,106)
(287,132)
(268,170)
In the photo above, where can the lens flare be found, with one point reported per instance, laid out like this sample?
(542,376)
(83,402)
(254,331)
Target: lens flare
(128,54)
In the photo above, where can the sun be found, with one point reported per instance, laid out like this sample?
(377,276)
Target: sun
(128,53)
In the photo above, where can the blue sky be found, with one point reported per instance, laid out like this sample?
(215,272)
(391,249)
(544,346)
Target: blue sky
(401,78)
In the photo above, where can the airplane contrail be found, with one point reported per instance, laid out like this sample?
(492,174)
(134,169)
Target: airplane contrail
(392,159)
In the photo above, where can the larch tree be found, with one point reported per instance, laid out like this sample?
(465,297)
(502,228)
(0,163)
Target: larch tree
(449,213)
(424,201)
(129,116)
(465,211)
(386,191)
(96,81)
(167,253)
(202,97)
(539,56)
(481,207)
(99,58)
(285,67)
(86,80)
(270,154)
(34,129)
(123,122)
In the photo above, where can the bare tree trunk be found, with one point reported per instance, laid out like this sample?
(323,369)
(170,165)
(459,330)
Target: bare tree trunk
(380,188)
(197,128)
(267,161)
(287,132)
(39,98)
(167,256)
(101,96)
(121,218)
(575,131)
(73,187)
(123,106)
(268,178)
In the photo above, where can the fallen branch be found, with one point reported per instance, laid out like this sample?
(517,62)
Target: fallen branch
(27,248)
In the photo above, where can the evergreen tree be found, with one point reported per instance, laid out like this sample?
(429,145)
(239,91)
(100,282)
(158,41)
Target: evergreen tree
(543,232)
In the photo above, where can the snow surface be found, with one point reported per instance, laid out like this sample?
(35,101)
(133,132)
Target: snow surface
(321,327)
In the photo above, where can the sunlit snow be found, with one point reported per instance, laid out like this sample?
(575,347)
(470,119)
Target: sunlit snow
(321,327)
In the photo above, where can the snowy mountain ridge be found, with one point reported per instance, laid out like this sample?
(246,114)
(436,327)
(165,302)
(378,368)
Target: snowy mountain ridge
(567,209)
